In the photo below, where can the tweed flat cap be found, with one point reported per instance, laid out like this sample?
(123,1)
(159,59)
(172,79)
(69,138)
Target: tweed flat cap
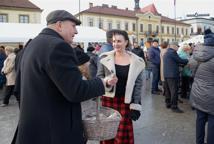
(61,15)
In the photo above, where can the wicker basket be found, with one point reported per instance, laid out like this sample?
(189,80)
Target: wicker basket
(102,128)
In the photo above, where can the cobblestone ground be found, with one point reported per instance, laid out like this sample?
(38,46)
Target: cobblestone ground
(157,125)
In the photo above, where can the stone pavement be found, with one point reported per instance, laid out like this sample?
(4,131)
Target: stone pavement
(157,125)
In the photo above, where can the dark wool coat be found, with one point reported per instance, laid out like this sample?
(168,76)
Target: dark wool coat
(171,62)
(51,91)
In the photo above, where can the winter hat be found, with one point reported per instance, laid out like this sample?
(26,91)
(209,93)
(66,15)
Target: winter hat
(61,15)
(155,40)
(208,38)
(82,57)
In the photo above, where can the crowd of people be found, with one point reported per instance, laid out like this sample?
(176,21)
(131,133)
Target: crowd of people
(51,77)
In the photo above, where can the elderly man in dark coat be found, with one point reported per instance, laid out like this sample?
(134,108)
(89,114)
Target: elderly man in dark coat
(52,86)
(202,93)
(171,62)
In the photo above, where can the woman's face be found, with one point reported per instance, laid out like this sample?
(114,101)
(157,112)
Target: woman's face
(119,43)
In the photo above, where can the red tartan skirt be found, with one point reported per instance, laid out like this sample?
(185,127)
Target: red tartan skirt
(125,134)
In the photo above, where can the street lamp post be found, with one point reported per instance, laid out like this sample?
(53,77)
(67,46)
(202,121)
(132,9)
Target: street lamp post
(79,9)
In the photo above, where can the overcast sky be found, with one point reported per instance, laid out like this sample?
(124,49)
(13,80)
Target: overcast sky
(165,7)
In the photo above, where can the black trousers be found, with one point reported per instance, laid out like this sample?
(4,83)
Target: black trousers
(171,92)
(7,93)
(202,119)
(185,82)
(155,78)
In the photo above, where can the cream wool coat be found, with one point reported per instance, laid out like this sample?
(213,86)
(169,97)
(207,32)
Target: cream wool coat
(9,69)
(134,81)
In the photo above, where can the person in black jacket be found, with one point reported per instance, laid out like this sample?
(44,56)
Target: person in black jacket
(138,51)
(52,86)
(171,74)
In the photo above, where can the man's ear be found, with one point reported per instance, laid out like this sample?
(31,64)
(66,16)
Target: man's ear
(58,26)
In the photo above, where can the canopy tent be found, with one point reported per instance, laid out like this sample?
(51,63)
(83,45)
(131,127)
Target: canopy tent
(195,39)
(21,33)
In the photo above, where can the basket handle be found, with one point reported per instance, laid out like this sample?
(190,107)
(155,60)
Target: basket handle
(98,108)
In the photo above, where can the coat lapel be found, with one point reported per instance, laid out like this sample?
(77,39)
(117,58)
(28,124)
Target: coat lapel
(108,61)
(136,67)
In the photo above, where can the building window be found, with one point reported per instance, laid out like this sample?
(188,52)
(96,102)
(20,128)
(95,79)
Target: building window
(126,26)
(167,29)
(173,30)
(150,28)
(186,31)
(191,30)
(23,19)
(90,22)
(109,25)
(199,30)
(100,23)
(157,29)
(141,27)
(118,25)
(182,31)
(177,31)
(3,18)
(162,29)
(133,26)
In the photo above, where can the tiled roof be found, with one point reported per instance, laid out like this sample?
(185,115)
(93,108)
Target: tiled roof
(110,11)
(169,20)
(114,11)
(18,4)
(150,8)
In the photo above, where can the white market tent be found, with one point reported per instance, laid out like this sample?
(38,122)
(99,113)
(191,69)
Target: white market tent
(21,33)
(195,39)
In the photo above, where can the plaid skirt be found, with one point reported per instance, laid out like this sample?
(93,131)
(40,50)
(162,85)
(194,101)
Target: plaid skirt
(125,134)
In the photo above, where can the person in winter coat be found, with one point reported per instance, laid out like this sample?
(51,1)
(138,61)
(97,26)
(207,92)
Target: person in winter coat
(2,59)
(125,96)
(9,71)
(138,51)
(202,93)
(93,61)
(171,75)
(163,50)
(52,87)
(186,73)
(107,46)
(154,57)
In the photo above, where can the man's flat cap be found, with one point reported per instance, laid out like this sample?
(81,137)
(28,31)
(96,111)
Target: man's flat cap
(61,15)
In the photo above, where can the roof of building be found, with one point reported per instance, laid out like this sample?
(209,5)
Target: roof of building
(172,21)
(150,8)
(199,18)
(19,4)
(106,10)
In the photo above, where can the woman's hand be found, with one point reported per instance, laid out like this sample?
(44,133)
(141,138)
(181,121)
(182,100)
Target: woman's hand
(112,80)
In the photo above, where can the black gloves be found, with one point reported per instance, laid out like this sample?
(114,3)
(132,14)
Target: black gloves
(134,115)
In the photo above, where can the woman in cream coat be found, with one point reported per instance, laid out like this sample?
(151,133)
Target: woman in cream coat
(125,96)
(9,71)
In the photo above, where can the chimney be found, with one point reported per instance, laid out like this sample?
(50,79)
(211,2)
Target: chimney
(105,6)
(90,5)
(137,7)
(115,7)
